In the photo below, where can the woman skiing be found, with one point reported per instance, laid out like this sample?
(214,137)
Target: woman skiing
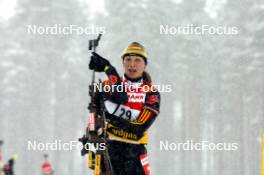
(130,110)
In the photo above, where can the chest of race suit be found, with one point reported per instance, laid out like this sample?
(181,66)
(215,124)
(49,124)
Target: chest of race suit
(130,111)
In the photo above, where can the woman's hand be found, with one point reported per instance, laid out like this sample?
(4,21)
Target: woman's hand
(98,63)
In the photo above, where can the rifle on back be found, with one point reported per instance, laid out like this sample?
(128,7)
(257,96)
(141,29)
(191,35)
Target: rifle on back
(95,135)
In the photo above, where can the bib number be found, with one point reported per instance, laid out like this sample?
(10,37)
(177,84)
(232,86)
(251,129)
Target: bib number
(123,113)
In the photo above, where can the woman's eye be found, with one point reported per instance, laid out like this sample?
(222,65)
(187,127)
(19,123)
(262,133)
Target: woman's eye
(138,60)
(128,60)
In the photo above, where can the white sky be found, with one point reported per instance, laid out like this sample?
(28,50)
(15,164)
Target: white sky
(212,7)
(7,9)
(95,7)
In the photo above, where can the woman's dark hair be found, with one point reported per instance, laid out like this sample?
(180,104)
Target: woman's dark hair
(146,77)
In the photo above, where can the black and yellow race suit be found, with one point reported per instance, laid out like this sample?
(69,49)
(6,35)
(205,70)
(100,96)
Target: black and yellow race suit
(131,110)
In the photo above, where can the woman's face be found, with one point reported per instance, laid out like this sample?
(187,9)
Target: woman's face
(134,66)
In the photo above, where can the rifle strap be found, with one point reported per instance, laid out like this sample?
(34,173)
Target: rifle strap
(97,168)
(90,160)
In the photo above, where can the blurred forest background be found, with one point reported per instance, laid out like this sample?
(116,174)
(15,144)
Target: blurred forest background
(217,80)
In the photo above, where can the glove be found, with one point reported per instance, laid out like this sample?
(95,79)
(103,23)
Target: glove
(98,63)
